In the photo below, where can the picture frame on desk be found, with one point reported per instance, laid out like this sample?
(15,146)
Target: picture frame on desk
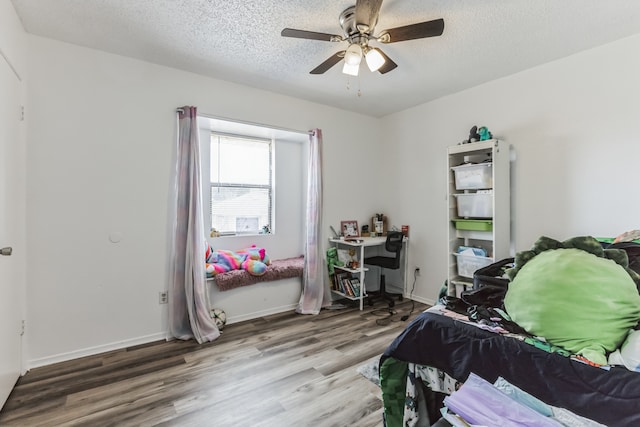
(349,228)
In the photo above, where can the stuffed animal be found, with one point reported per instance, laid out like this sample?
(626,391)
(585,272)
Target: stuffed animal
(254,260)
(223,261)
(473,136)
(484,133)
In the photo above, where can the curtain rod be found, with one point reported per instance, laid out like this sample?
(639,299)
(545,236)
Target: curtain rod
(212,117)
(208,116)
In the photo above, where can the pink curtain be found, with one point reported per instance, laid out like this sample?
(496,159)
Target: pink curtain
(315,294)
(188,305)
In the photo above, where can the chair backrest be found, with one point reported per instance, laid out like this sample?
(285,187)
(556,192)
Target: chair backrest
(394,244)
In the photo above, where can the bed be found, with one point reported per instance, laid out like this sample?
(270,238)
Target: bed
(439,350)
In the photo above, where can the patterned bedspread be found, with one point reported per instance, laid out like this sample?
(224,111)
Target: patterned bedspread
(456,348)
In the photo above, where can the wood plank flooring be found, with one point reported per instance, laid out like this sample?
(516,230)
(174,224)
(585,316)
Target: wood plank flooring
(280,370)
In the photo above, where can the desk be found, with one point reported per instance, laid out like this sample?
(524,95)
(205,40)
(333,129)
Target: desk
(360,244)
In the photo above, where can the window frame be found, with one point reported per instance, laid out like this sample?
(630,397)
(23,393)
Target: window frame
(270,187)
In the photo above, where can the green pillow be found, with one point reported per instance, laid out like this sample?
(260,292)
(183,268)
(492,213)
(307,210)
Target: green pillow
(583,301)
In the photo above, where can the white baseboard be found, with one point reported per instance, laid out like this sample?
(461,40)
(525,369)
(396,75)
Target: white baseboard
(76,354)
(427,301)
(118,345)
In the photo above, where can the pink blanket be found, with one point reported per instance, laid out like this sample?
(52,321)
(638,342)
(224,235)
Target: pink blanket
(278,269)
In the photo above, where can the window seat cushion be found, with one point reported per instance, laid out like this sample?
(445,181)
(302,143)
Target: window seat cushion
(278,269)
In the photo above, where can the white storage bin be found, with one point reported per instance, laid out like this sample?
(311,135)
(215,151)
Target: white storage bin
(473,176)
(467,264)
(476,205)
(461,287)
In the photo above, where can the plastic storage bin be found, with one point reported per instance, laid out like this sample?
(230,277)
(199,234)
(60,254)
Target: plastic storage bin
(473,176)
(467,265)
(473,224)
(476,205)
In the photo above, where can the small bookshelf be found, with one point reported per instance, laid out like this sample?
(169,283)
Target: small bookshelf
(347,284)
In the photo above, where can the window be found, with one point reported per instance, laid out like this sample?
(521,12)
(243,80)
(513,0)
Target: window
(241,184)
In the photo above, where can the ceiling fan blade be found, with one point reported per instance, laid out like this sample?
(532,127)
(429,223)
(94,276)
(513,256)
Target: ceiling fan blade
(367,13)
(414,31)
(388,63)
(302,34)
(333,60)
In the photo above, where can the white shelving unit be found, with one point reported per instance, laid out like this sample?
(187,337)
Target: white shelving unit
(485,202)
(357,272)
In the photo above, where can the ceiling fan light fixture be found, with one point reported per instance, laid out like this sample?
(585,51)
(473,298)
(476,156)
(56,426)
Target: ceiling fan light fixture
(374,59)
(351,70)
(353,54)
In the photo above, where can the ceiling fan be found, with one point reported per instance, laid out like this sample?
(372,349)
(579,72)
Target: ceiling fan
(358,23)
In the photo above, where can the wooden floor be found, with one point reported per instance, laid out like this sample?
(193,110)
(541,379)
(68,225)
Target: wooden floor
(280,370)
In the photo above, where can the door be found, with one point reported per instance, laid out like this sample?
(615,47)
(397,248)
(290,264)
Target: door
(12,212)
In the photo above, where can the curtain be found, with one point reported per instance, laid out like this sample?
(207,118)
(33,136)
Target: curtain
(188,303)
(315,294)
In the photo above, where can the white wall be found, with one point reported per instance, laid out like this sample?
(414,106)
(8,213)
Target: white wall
(101,135)
(573,125)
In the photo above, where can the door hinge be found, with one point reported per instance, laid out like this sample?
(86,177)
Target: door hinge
(22,327)
(22,113)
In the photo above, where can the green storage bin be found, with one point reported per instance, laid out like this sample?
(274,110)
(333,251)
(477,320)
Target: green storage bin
(473,224)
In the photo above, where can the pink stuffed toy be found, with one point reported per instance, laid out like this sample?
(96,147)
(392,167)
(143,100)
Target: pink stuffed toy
(254,260)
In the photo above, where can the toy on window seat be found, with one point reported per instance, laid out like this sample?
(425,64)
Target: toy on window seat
(256,260)
(253,260)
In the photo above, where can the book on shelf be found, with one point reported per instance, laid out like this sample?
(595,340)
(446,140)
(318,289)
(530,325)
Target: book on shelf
(347,284)
(339,282)
(347,287)
(355,285)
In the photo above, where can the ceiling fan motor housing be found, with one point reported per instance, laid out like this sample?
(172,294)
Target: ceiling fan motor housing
(348,21)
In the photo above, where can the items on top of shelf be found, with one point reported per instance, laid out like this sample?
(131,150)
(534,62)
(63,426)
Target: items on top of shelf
(378,224)
(478,134)
(473,135)
(484,133)
(350,228)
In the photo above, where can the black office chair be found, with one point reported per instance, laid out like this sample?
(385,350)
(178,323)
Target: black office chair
(394,245)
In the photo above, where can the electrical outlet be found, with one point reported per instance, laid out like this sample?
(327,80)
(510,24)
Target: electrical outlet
(163,297)
(417,271)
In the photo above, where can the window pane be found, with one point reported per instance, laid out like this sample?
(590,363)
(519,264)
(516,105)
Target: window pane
(239,210)
(239,161)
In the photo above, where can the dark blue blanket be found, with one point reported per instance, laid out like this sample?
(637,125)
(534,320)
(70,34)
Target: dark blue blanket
(611,397)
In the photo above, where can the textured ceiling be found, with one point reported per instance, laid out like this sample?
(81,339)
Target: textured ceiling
(239,41)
